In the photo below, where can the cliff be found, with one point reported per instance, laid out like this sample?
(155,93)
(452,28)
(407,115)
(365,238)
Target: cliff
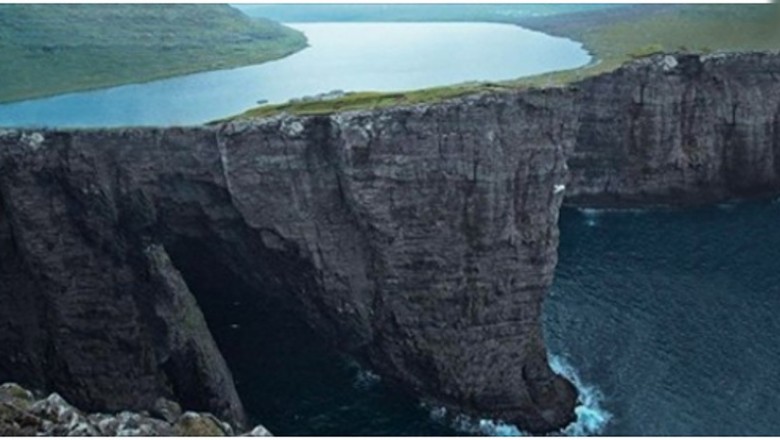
(420,239)
(683,129)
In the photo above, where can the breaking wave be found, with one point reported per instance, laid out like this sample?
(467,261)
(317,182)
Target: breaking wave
(364,379)
(727,206)
(591,215)
(591,418)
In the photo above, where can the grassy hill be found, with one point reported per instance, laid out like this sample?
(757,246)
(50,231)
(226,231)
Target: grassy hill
(612,35)
(410,12)
(619,35)
(52,49)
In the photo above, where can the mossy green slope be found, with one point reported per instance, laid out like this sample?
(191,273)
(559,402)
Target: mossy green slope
(614,36)
(52,49)
(620,35)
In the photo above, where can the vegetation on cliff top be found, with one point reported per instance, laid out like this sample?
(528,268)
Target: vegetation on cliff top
(613,35)
(53,49)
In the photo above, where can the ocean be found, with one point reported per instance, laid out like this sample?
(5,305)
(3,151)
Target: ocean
(665,319)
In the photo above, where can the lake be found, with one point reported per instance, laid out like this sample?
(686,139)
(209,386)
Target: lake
(342,56)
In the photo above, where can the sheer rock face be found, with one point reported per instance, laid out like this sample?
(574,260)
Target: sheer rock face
(678,130)
(88,307)
(420,239)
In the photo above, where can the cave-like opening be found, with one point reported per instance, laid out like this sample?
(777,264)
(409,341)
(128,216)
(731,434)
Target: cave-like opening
(289,377)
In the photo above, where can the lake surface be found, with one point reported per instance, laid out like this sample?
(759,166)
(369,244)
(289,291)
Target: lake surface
(666,320)
(341,56)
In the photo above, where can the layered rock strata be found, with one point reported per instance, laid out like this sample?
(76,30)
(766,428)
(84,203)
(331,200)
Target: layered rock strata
(679,130)
(419,239)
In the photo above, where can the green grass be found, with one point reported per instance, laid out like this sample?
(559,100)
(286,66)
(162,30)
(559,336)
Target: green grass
(53,49)
(362,100)
(614,36)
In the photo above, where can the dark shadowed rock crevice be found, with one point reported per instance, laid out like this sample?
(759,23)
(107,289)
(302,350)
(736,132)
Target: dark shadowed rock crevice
(421,239)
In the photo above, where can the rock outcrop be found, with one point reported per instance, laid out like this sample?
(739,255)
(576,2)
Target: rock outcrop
(420,239)
(22,414)
(682,129)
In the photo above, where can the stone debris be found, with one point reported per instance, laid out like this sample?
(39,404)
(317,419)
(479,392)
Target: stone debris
(21,414)
(668,63)
(33,140)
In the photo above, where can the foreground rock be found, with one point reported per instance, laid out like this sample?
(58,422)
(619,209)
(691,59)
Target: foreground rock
(21,414)
(421,240)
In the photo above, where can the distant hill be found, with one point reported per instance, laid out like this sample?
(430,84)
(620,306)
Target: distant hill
(410,12)
(618,35)
(52,49)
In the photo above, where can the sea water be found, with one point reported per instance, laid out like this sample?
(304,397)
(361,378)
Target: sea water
(665,320)
(671,315)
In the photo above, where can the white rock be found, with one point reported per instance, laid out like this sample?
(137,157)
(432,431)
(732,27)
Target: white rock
(258,431)
(292,128)
(669,62)
(33,140)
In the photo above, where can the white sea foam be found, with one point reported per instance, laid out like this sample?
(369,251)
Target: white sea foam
(591,215)
(727,206)
(591,417)
(365,379)
(593,212)
(468,425)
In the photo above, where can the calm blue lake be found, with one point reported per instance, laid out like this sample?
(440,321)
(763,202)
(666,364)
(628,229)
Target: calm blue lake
(341,56)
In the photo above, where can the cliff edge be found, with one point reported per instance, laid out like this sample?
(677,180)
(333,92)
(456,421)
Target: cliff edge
(420,239)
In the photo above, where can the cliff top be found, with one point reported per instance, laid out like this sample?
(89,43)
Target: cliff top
(614,36)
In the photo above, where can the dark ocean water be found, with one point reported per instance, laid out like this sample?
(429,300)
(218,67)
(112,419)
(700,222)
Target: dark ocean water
(665,319)
(673,316)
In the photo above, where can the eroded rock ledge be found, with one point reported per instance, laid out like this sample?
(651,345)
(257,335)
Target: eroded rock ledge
(422,239)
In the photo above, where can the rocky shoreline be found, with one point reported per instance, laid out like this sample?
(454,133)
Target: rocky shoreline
(24,414)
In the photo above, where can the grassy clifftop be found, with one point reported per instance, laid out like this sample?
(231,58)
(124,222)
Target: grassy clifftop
(619,35)
(612,35)
(52,49)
